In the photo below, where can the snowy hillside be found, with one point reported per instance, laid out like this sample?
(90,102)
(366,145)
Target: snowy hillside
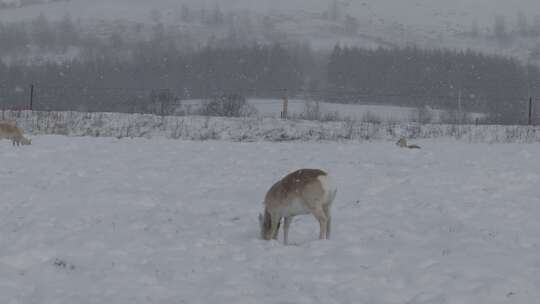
(102,220)
(377,23)
(413,12)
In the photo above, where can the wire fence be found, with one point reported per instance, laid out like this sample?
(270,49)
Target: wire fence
(171,102)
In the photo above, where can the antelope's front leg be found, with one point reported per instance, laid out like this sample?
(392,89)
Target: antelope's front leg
(286,224)
(275,227)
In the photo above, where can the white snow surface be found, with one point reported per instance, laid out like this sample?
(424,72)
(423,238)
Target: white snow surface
(298,107)
(104,220)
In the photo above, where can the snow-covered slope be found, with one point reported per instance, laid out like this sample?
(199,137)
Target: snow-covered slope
(101,220)
(413,12)
(427,23)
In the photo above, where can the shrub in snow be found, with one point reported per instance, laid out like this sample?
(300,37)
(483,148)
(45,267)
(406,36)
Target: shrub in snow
(231,105)
(253,128)
(369,117)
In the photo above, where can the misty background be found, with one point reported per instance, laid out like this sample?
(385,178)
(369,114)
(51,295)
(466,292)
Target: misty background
(133,56)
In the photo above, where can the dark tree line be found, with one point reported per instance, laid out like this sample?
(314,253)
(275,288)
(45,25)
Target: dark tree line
(440,78)
(112,83)
(105,81)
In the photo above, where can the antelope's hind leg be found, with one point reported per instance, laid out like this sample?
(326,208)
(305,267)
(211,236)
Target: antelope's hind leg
(328,213)
(320,215)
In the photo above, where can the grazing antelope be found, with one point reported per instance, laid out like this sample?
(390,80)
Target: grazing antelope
(9,131)
(301,192)
(402,143)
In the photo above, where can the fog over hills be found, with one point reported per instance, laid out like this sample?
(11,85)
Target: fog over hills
(409,12)
(321,23)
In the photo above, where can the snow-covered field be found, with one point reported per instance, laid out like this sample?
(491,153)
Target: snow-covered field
(299,107)
(361,112)
(103,220)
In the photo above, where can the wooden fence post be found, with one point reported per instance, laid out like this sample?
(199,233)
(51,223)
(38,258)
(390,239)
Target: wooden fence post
(284,114)
(530,111)
(31,97)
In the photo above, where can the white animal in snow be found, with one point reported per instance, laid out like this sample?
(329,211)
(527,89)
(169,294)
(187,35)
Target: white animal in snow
(301,192)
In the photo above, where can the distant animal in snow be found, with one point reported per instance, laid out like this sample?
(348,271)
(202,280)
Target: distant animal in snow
(12,132)
(402,143)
